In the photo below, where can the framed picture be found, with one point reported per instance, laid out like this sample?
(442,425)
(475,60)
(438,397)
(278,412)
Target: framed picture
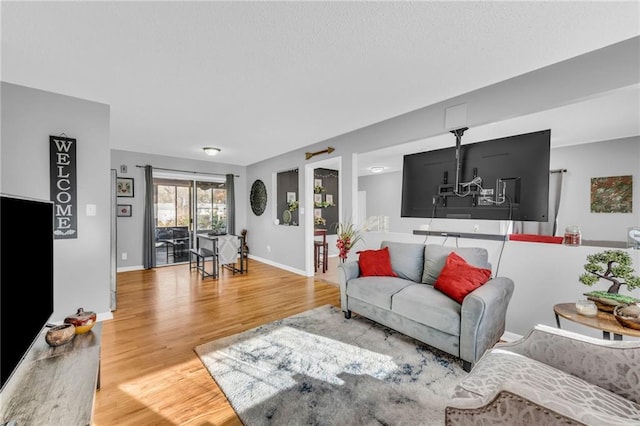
(124,210)
(317,182)
(124,187)
(317,213)
(329,199)
(291,197)
(317,198)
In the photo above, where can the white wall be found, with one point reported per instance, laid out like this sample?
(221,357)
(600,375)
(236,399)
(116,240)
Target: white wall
(609,158)
(29,117)
(130,229)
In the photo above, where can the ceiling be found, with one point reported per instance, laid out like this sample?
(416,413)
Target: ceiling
(258,79)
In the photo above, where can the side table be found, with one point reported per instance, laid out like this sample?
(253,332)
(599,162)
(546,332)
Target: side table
(603,321)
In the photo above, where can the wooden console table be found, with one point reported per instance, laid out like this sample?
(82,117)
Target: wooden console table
(603,321)
(55,385)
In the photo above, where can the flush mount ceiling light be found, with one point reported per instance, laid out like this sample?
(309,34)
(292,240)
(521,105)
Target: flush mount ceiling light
(211,151)
(376,169)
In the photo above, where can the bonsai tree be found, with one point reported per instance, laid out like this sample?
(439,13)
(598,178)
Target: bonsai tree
(613,266)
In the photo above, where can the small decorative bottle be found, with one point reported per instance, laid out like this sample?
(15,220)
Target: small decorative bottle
(572,236)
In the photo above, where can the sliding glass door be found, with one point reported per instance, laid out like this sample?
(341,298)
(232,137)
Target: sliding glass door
(177,201)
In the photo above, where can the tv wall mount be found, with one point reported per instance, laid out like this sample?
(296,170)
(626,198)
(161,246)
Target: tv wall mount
(480,196)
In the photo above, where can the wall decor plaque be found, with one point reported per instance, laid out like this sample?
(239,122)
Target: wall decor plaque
(63,186)
(258,197)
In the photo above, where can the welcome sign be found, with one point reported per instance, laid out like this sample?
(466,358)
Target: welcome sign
(63,183)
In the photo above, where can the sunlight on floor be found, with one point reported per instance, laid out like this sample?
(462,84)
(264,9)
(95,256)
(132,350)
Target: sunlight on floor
(265,365)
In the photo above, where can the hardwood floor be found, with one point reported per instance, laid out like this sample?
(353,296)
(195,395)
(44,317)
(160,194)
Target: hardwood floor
(150,374)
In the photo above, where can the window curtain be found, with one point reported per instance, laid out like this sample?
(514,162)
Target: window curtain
(231,205)
(148,232)
(550,227)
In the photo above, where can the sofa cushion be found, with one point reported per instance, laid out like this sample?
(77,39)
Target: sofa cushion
(407,259)
(545,386)
(376,290)
(435,257)
(428,306)
(458,278)
(375,263)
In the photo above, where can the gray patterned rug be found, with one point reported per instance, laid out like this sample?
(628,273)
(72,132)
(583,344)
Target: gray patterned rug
(317,368)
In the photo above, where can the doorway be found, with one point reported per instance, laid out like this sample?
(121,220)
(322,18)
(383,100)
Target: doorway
(177,202)
(323,204)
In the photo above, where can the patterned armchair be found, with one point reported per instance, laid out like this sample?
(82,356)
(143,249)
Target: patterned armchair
(551,377)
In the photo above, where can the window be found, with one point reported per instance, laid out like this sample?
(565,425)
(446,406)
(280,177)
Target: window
(173,202)
(211,207)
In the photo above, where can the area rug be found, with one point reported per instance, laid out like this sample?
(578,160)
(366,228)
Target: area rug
(318,368)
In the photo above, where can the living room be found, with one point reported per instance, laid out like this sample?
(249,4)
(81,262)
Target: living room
(606,63)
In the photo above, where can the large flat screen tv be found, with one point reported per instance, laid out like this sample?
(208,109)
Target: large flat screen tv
(498,179)
(26,277)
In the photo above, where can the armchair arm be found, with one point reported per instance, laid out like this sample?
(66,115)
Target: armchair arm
(612,365)
(346,272)
(483,314)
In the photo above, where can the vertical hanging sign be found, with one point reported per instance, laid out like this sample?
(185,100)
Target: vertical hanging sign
(63,183)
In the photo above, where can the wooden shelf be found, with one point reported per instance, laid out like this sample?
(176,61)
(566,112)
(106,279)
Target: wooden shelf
(55,385)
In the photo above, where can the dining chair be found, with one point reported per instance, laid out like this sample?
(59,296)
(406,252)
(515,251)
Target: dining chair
(320,250)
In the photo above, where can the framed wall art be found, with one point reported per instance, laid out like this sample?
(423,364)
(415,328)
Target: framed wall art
(124,210)
(612,194)
(124,187)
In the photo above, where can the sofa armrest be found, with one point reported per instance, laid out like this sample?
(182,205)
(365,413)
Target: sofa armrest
(612,365)
(483,315)
(346,272)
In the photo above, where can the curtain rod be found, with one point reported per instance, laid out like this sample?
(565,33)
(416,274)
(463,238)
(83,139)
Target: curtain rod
(558,171)
(186,171)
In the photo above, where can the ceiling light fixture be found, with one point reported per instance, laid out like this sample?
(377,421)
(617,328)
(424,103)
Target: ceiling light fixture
(211,151)
(376,169)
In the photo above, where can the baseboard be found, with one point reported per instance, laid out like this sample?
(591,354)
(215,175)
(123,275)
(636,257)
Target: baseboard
(130,268)
(278,265)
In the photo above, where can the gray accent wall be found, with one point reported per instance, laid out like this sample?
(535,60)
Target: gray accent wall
(29,117)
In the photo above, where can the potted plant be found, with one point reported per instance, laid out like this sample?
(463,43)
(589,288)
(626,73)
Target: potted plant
(613,266)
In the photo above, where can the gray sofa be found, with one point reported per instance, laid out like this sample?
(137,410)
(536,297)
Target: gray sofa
(411,305)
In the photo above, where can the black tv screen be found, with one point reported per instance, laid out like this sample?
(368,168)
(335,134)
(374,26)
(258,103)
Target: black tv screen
(26,277)
(499,179)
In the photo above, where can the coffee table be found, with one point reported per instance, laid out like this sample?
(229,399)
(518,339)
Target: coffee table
(603,321)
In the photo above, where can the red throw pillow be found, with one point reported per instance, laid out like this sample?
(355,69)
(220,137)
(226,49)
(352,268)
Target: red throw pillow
(375,263)
(458,278)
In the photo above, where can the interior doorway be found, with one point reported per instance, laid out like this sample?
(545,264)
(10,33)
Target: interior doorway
(323,204)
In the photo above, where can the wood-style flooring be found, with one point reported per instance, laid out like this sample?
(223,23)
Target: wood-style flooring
(150,374)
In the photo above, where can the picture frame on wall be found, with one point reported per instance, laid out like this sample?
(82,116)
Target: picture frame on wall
(317,198)
(291,197)
(124,210)
(124,187)
(329,199)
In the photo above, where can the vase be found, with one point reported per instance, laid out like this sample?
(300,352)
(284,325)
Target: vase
(60,334)
(82,320)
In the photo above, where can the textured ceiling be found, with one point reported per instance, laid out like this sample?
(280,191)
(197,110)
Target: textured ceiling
(258,79)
